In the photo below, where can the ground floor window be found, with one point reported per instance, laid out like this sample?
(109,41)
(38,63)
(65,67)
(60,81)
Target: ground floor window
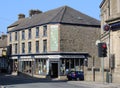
(27,66)
(71,64)
(41,67)
(37,66)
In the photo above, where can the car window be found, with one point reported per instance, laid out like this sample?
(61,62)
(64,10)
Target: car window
(79,72)
(72,72)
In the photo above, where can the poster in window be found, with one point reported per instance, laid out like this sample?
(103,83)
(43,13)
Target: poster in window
(54,38)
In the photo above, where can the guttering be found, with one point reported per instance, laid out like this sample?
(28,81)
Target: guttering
(87,25)
(102,3)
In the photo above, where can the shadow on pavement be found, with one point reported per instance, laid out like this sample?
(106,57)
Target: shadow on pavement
(7,79)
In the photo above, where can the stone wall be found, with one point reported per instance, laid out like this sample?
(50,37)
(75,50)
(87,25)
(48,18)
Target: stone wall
(80,39)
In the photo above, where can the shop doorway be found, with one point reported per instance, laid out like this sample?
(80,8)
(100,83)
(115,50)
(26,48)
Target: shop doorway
(54,70)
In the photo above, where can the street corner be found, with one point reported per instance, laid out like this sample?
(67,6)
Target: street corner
(94,84)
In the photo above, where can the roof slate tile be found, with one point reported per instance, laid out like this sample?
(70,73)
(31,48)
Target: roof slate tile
(63,14)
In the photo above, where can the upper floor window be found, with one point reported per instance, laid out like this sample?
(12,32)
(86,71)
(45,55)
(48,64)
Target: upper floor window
(29,34)
(9,49)
(29,47)
(37,31)
(44,45)
(23,47)
(16,48)
(37,46)
(45,30)
(10,37)
(16,35)
(23,35)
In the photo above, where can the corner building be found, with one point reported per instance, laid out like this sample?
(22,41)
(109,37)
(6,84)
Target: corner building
(110,14)
(3,54)
(53,42)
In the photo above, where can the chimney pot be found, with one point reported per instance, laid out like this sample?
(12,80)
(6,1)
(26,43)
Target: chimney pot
(20,16)
(33,12)
(3,36)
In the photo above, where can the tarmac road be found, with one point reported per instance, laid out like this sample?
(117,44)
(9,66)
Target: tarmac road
(23,81)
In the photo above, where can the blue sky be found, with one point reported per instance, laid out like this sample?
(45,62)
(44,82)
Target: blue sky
(11,8)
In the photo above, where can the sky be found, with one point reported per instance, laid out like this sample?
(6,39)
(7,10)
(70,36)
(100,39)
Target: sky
(9,9)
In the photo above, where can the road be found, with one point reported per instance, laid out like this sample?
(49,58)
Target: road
(21,81)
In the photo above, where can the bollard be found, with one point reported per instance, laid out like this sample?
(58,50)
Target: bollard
(110,78)
(107,77)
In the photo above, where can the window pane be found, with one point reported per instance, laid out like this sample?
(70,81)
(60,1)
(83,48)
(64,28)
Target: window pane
(29,33)
(16,34)
(23,47)
(37,31)
(15,48)
(37,46)
(44,45)
(44,30)
(23,35)
(10,37)
(29,47)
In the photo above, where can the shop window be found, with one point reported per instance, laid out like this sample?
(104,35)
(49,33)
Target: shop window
(77,62)
(41,66)
(62,67)
(72,63)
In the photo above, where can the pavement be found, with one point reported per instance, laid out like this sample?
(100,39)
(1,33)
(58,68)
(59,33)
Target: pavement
(28,79)
(94,84)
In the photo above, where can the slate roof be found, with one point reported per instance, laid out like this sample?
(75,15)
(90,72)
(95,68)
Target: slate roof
(65,15)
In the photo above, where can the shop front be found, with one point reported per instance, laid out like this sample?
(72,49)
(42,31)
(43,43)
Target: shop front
(56,65)
(53,65)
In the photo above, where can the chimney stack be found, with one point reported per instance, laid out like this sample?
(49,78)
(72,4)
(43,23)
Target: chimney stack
(20,16)
(3,36)
(33,12)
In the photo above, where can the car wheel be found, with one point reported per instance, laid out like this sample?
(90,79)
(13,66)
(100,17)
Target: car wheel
(77,79)
(69,79)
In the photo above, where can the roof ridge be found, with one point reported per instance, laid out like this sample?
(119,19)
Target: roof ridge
(64,14)
(65,7)
(62,8)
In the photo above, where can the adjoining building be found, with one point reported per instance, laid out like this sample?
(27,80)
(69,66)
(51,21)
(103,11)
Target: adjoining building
(3,53)
(53,42)
(110,15)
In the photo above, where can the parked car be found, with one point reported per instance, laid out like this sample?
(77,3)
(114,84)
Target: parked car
(75,75)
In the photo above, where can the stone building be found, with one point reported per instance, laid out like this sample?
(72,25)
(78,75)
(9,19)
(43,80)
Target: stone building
(110,15)
(3,53)
(53,42)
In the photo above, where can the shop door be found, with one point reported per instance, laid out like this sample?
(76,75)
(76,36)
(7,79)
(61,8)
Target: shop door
(54,70)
